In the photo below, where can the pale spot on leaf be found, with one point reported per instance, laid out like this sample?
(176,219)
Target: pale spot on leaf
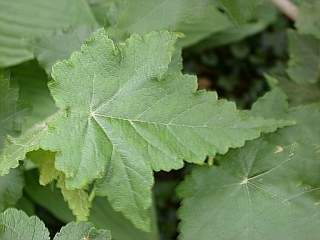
(278,149)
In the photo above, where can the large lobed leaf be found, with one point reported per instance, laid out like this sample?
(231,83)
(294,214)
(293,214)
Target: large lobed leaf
(268,189)
(126,110)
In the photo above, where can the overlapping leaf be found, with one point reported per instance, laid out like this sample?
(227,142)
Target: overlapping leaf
(247,22)
(8,107)
(240,11)
(123,113)
(102,214)
(60,45)
(304,64)
(82,231)
(298,93)
(34,93)
(78,199)
(197,19)
(268,189)
(308,18)
(21,21)
(11,186)
(17,225)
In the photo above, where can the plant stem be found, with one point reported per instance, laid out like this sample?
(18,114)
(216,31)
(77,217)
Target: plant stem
(287,8)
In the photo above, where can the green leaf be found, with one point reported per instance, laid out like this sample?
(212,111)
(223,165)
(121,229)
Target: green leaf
(102,214)
(196,19)
(230,35)
(304,63)
(128,121)
(11,186)
(298,94)
(78,200)
(60,45)
(85,231)
(261,17)
(124,112)
(48,197)
(240,11)
(8,107)
(45,162)
(15,224)
(309,18)
(274,102)
(15,149)
(260,191)
(25,204)
(33,92)
(9,114)
(106,12)
(22,21)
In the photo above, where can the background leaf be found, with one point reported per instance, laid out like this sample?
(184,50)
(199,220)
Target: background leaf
(259,191)
(195,18)
(308,19)
(304,63)
(102,214)
(11,186)
(22,21)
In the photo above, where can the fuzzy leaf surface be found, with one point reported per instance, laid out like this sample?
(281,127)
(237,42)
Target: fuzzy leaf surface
(124,113)
(125,110)
(83,231)
(15,224)
(260,191)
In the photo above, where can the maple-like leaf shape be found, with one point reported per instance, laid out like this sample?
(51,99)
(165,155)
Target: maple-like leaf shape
(126,110)
(269,189)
